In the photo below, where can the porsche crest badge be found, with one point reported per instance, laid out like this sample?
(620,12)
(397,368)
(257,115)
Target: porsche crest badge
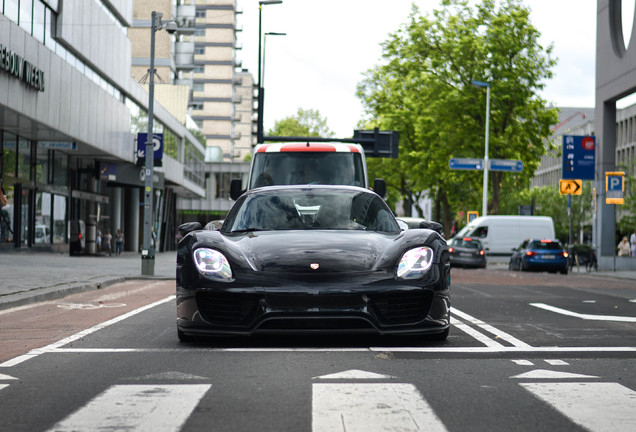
(314,266)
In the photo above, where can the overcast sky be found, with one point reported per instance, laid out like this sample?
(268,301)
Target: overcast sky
(331,43)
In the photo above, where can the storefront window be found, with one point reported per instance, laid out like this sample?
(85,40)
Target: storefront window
(59,218)
(24,159)
(42,218)
(9,154)
(60,169)
(42,166)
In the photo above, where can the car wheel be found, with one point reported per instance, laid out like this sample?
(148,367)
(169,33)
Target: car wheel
(522,265)
(440,336)
(564,271)
(510,266)
(184,337)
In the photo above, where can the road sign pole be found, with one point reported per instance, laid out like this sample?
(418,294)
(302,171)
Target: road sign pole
(484,205)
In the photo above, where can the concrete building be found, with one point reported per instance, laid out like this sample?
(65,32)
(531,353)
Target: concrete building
(221,92)
(69,116)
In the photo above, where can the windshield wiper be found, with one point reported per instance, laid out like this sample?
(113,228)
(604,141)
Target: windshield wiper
(246,230)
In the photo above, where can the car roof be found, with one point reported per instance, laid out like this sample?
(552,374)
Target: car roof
(280,188)
(308,147)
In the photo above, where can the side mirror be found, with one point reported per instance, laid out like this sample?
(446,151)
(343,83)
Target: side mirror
(188,227)
(214,225)
(435,226)
(379,187)
(236,189)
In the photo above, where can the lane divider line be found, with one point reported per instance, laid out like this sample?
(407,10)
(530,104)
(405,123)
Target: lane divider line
(490,329)
(583,316)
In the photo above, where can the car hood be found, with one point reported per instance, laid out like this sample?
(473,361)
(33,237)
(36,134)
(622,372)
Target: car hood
(315,252)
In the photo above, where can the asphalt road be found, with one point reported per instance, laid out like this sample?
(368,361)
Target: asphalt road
(526,352)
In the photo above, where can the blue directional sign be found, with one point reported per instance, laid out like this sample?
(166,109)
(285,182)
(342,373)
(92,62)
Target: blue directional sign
(579,157)
(506,165)
(157,145)
(466,164)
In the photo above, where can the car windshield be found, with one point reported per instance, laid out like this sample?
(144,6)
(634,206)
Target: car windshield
(550,245)
(310,208)
(287,168)
(469,244)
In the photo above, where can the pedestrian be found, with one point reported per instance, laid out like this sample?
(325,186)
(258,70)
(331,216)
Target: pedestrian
(108,242)
(623,247)
(119,241)
(632,240)
(98,241)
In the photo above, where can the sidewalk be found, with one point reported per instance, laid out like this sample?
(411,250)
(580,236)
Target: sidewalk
(28,277)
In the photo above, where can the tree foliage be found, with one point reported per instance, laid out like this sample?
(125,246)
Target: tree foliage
(306,123)
(423,90)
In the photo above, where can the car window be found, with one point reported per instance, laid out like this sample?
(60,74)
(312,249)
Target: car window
(480,232)
(549,245)
(287,168)
(311,208)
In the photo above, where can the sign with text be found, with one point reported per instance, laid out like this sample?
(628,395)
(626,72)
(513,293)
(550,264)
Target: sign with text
(615,187)
(466,164)
(579,157)
(506,165)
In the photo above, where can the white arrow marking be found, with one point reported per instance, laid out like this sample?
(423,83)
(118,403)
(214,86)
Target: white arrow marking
(354,374)
(3,386)
(595,406)
(371,407)
(583,316)
(548,374)
(152,408)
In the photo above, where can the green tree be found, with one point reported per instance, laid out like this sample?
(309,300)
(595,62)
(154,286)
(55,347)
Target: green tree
(423,90)
(306,123)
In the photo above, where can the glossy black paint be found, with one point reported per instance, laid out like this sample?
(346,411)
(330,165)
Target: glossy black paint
(275,289)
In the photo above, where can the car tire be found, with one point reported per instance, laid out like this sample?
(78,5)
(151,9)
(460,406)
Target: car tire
(510,266)
(522,266)
(441,336)
(564,271)
(184,337)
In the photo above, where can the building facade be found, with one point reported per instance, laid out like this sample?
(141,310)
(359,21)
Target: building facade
(70,112)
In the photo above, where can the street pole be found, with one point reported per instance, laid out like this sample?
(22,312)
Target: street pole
(261,91)
(148,250)
(484,204)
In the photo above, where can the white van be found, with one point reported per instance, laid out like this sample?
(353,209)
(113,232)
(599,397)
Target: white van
(501,234)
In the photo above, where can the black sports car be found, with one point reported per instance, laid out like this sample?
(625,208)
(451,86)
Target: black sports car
(311,258)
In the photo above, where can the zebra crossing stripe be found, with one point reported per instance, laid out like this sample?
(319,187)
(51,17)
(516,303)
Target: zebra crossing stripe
(371,407)
(604,406)
(139,408)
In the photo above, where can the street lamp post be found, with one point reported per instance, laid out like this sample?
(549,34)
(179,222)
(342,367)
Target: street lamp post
(265,52)
(484,204)
(261,96)
(148,249)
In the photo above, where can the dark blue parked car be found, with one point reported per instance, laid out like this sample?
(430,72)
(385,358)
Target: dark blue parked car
(535,254)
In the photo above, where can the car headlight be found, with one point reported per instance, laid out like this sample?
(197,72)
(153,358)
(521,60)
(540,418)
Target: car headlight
(415,262)
(212,263)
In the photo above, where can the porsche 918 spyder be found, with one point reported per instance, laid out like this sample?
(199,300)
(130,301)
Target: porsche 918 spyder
(311,258)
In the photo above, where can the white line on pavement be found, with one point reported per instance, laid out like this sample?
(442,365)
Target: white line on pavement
(583,316)
(83,333)
(595,406)
(498,333)
(371,407)
(139,408)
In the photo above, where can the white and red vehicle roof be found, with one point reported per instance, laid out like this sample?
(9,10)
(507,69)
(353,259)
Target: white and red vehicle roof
(308,147)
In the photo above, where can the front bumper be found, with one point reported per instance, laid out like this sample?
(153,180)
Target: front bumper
(407,310)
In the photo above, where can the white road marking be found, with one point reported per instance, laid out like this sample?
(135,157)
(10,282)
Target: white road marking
(354,374)
(55,345)
(523,362)
(594,406)
(7,377)
(475,334)
(3,386)
(583,316)
(138,408)
(556,362)
(548,374)
(441,349)
(371,407)
(498,333)
(89,306)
